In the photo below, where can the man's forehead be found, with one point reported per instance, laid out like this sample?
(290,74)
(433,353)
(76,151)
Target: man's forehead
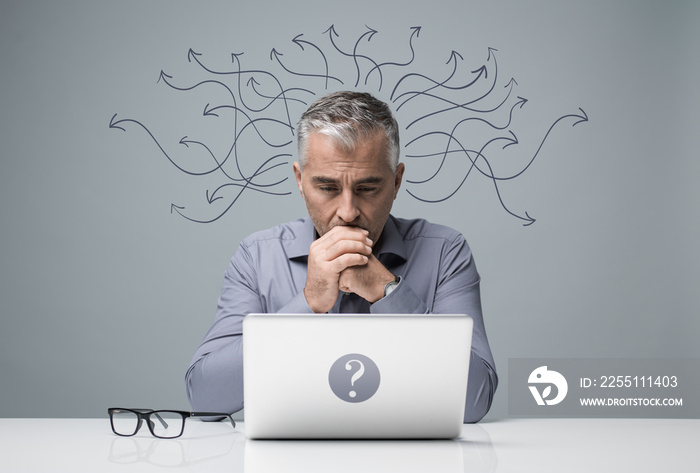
(322,146)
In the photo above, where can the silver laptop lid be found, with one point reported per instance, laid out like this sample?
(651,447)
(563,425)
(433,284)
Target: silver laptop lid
(355,375)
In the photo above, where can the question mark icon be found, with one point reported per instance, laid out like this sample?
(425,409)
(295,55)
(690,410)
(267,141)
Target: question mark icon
(358,374)
(346,371)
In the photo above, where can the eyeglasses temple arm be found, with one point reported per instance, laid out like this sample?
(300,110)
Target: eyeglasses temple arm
(161,420)
(214,414)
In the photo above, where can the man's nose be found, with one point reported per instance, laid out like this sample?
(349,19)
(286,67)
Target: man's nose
(347,208)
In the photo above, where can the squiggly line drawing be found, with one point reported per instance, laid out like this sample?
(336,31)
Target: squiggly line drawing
(480,154)
(513,140)
(480,72)
(248,182)
(354,55)
(378,67)
(465,105)
(442,106)
(451,137)
(301,43)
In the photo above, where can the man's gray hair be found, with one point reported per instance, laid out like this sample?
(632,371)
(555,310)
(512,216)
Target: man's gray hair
(349,117)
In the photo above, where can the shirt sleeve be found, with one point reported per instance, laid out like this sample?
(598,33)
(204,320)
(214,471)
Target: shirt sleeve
(214,380)
(457,292)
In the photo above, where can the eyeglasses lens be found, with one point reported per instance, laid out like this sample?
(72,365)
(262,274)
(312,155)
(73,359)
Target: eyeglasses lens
(125,422)
(166,424)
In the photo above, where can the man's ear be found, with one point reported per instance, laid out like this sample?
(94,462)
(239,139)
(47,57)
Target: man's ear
(398,176)
(297,174)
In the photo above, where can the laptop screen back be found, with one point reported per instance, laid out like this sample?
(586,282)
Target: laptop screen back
(355,375)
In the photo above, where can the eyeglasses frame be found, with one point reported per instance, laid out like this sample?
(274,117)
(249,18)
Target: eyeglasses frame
(145,415)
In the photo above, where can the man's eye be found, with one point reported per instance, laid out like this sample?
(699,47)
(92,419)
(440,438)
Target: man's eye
(327,189)
(366,189)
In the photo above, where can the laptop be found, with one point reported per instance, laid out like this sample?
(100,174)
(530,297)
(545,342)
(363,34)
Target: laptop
(349,376)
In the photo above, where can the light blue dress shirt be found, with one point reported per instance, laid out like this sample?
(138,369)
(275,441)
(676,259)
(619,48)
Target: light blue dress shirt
(268,273)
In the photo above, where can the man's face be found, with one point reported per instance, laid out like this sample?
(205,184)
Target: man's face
(354,188)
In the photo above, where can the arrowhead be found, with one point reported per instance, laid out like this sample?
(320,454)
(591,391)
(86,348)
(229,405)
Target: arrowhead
(191,54)
(482,70)
(208,112)
(372,32)
(491,51)
(275,53)
(162,76)
(113,124)
(210,198)
(530,220)
(297,42)
(583,118)
(331,30)
(416,30)
(183,141)
(514,141)
(453,56)
(521,100)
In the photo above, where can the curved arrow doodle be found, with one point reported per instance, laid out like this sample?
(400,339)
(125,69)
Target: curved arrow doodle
(465,105)
(482,113)
(451,139)
(243,187)
(354,55)
(583,117)
(301,42)
(480,154)
(481,72)
(275,55)
(115,124)
(378,67)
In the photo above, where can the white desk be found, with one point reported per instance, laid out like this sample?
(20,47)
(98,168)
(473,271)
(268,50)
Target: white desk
(547,445)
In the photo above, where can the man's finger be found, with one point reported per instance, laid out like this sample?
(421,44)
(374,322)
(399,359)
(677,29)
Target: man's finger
(346,247)
(347,260)
(340,233)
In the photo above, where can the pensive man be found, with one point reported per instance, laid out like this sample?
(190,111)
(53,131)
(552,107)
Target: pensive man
(349,256)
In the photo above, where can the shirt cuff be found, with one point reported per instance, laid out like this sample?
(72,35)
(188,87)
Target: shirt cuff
(297,305)
(402,300)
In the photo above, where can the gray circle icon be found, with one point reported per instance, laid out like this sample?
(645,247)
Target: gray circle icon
(354,377)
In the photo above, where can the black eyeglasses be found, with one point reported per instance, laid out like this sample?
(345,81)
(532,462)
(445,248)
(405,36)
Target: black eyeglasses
(162,424)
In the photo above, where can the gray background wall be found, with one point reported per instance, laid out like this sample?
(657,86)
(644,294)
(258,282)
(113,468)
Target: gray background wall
(105,290)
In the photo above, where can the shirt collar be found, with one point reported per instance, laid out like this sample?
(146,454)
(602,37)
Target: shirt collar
(298,248)
(391,249)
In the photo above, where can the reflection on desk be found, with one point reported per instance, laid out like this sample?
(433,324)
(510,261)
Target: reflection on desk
(472,452)
(207,446)
(541,445)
